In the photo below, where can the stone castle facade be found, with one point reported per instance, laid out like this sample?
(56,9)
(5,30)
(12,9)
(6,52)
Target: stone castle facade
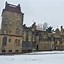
(17,38)
(11,29)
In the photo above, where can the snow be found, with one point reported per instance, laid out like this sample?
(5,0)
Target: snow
(46,52)
(56,57)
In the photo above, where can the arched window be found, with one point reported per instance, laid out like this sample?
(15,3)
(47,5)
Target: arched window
(15,43)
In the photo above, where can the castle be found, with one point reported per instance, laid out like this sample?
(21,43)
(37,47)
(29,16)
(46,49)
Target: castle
(18,38)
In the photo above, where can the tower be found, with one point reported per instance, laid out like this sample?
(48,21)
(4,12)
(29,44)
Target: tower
(11,28)
(12,20)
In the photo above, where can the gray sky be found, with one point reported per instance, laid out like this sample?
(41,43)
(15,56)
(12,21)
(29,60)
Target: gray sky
(50,11)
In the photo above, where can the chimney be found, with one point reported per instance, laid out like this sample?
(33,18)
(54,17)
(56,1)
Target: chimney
(19,6)
(61,27)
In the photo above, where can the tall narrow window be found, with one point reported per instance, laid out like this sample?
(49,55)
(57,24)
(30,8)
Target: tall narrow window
(15,43)
(17,31)
(29,36)
(4,41)
(24,36)
(18,43)
(18,23)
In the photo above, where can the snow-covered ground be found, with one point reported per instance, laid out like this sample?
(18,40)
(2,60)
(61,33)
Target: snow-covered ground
(46,52)
(55,57)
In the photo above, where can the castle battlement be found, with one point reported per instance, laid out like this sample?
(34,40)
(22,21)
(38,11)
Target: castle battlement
(12,8)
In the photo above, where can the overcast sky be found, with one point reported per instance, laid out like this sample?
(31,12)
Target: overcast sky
(50,11)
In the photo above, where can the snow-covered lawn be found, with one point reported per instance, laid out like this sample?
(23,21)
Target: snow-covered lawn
(34,59)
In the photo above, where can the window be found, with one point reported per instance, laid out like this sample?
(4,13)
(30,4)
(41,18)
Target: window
(9,40)
(17,31)
(29,36)
(61,42)
(10,50)
(33,38)
(3,50)
(4,42)
(18,23)
(24,36)
(17,42)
